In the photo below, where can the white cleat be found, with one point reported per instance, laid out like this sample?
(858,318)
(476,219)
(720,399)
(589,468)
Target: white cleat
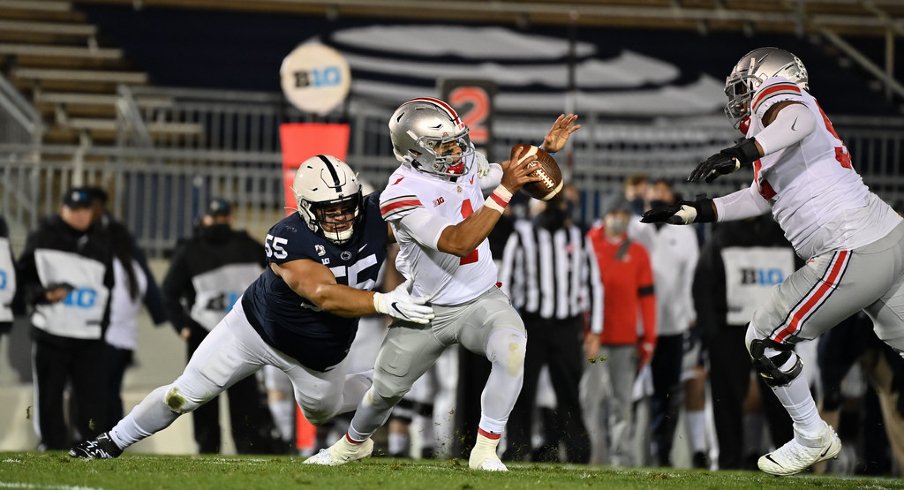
(342,452)
(485,461)
(794,457)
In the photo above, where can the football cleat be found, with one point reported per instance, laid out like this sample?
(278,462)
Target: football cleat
(342,452)
(795,457)
(485,459)
(101,448)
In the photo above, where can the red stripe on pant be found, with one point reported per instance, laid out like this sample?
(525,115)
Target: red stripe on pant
(810,305)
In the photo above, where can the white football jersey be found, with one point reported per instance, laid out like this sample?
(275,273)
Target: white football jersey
(816,195)
(445,278)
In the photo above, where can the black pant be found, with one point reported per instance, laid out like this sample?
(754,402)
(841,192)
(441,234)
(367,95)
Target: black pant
(665,404)
(117,361)
(250,420)
(556,343)
(80,363)
(729,376)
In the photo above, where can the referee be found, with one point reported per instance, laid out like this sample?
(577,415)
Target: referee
(550,273)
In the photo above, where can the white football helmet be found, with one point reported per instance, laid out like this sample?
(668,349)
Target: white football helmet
(428,135)
(752,70)
(328,196)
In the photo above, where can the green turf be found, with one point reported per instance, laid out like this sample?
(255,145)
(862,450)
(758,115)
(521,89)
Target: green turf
(58,471)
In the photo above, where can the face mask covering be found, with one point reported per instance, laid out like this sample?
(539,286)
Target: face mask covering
(551,218)
(616,226)
(637,205)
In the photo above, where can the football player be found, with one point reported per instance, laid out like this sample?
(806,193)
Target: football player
(300,315)
(434,204)
(853,242)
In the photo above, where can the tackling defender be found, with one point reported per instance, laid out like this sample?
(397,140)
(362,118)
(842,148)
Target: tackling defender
(300,315)
(852,240)
(435,206)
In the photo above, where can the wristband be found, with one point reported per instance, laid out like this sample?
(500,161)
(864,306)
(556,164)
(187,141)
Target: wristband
(499,199)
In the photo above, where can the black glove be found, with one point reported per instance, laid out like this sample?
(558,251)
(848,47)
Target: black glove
(701,211)
(726,161)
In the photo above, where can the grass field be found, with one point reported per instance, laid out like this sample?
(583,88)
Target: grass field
(58,471)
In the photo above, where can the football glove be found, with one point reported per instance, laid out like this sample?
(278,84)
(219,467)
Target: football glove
(726,161)
(683,213)
(399,304)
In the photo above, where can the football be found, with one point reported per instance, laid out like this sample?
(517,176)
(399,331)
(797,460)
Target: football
(546,168)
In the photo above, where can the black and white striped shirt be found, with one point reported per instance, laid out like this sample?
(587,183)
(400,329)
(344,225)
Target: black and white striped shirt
(553,274)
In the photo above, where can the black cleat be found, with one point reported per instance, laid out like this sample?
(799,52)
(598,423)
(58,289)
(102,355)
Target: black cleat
(101,448)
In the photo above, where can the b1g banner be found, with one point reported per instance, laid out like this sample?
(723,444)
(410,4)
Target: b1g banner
(300,141)
(750,275)
(473,100)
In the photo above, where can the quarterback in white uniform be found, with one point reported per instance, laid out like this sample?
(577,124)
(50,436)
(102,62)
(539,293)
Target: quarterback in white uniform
(852,240)
(440,219)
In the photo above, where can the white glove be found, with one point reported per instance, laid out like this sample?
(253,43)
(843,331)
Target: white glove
(399,304)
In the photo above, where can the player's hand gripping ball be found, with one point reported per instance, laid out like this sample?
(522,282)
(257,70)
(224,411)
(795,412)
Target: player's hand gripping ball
(547,169)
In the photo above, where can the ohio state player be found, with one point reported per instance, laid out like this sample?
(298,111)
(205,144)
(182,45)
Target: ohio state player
(439,217)
(852,240)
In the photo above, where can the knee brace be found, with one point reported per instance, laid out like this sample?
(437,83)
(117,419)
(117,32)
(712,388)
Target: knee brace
(776,363)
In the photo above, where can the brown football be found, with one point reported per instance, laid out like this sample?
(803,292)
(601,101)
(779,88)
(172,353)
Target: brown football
(547,169)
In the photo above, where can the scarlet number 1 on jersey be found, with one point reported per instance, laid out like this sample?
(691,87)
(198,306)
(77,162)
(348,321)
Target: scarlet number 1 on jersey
(467,210)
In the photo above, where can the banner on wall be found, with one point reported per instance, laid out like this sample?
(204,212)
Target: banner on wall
(300,141)
(315,78)
(473,100)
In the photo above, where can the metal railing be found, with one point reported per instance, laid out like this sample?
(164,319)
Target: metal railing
(159,189)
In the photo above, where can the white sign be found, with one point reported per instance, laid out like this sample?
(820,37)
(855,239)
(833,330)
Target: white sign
(315,78)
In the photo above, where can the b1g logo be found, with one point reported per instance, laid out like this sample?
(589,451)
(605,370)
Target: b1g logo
(81,298)
(763,277)
(319,77)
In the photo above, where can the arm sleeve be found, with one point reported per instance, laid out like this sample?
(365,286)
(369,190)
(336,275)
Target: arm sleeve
(792,124)
(772,91)
(29,289)
(153,298)
(687,275)
(647,297)
(488,174)
(596,293)
(742,204)
(177,284)
(424,226)
(709,290)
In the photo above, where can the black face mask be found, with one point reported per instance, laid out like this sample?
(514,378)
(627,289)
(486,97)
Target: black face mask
(551,218)
(216,233)
(637,205)
(658,203)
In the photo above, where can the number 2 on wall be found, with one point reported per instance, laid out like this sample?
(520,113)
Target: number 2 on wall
(467,210)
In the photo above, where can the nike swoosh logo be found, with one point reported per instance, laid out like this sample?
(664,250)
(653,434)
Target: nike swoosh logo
(769,457)
(825,452)
(400,311)
(794,124)
(362,247)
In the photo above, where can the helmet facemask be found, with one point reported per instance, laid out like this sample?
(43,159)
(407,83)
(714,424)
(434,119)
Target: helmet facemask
(751,71)
(334,219)
(446,156)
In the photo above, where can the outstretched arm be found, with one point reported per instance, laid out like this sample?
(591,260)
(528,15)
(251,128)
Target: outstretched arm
(316,283)
(786,123)
(559,133)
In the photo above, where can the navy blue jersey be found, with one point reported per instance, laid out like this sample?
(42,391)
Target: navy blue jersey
(292,324)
